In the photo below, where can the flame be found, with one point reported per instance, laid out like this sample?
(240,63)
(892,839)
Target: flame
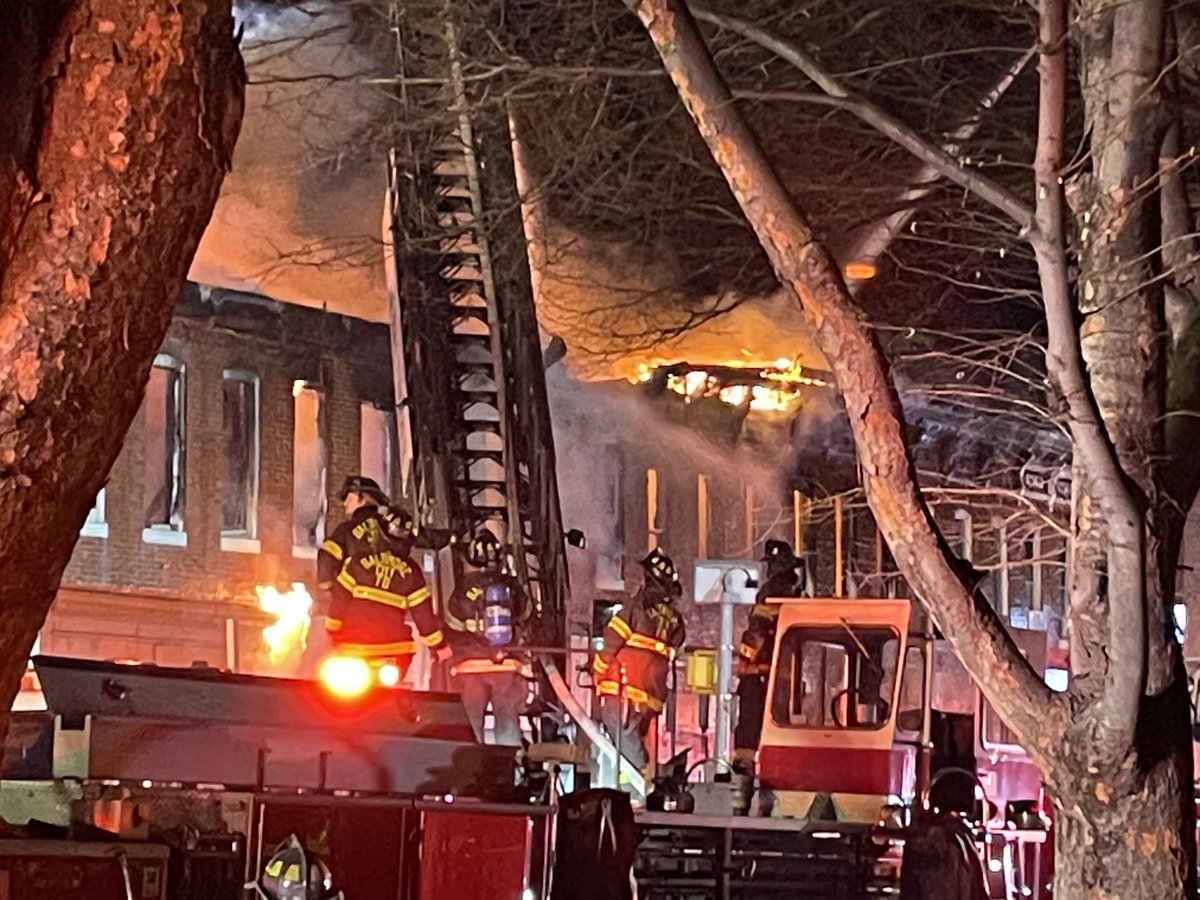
(287,636)
(781,390)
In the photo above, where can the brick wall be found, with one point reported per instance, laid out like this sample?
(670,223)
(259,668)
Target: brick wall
(125,597)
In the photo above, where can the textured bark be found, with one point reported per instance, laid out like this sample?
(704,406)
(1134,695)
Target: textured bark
(1128,833)
(1119,294)
(119,122)
(1128,815)
(876,419)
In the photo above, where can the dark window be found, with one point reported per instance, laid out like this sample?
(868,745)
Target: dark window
(163,455)
(239,498)
(835,676)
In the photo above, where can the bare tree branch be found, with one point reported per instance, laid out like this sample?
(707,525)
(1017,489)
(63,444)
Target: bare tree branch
(871,245)
(929,153)
(803,265)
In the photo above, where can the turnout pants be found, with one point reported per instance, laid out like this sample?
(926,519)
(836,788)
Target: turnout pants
(752,699)
(505,692)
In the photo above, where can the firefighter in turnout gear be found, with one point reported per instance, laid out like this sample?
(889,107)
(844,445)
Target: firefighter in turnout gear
(785,578)
(374,586)
(632,669)
(483,617)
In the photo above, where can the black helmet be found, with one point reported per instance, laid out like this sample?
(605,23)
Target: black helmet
(361,484)
(400,526)
(399,523)
(779,555)
(294,873)
(485,550)
(661,570)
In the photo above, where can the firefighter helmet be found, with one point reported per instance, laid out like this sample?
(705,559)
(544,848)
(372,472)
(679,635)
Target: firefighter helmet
(661,570)
(399,523)
(485,550)
(294,873)
(367,487)
(779,555)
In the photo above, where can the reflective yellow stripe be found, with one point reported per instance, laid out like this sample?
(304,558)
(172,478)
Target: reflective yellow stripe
(334,549)
(372,651)
(365,592)
(632,694)
(324,585)
(333,624)
(599,665)
(765,610)
(617,624)
(645,642)
(746,651)
(432,640)
(387,598)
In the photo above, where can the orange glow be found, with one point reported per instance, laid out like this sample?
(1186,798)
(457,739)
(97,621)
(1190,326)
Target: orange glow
(860,271)
(287,636)
(345,676)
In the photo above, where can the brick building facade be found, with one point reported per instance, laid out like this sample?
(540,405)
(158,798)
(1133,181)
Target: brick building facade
(174,583)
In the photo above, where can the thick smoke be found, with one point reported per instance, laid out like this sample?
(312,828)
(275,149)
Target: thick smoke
(606,433)
(299,214)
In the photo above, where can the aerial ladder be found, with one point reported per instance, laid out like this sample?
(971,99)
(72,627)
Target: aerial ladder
(466,340)
(470,378)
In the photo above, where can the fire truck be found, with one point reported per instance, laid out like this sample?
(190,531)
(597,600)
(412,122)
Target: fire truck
(149,782)
(871,727)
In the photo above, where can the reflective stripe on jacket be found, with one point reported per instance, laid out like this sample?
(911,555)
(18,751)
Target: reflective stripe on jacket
(636,658)
(376,595)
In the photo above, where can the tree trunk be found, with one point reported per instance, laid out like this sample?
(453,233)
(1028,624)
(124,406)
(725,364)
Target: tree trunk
(119,122)
(1129,836)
